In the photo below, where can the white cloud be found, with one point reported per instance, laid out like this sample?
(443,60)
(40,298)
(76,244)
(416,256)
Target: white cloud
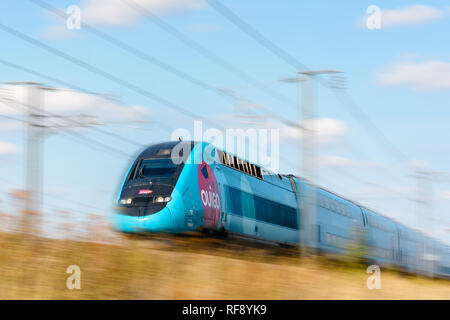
(8,149)
(445,194)
(327,129)
(337,161)
(117,13)
(409,15)
(73,105)
(431,75)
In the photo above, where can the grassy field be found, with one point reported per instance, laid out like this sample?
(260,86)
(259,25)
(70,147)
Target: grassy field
(189,267)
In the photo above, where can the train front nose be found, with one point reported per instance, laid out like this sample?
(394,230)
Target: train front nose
(141,218)
(160,221)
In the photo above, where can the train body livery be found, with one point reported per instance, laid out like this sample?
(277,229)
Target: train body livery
(186,186)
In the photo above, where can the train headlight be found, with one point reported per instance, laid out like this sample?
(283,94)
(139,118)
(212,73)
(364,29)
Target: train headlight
(162,199)
(125,201)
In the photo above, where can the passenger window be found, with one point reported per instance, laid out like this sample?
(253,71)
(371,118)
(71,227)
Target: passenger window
(250,169)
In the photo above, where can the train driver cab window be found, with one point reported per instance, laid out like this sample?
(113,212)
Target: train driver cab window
(156,168)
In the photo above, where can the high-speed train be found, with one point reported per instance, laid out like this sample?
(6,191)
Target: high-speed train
(189,186)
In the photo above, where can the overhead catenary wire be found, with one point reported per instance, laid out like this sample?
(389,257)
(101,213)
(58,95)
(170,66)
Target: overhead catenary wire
(10,117)
(147,58)
(76,136)
(104,74)
(95,128)
(133,50)
(116,151)
(253,33)
(346,174)
(79,89)
(70,85)
(345,99)
(71,133)
(75,60)
(188,41)
(355,110)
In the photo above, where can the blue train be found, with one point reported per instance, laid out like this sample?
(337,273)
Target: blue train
(187,186)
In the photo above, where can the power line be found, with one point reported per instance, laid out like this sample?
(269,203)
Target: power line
(81,124)
(262,40)
(89,140)
(76,61)
(74,87)
(55,51)
(357,113)
(123,46)
(103,73)
(345,173)
(267,111)
(389,170)
(355,110)
(144,56)
(134,51)
(94,142)
(115,151)
(11,118)
(206,52)
(45,76)
(147,58)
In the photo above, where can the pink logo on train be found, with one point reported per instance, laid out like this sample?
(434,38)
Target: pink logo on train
(209,194)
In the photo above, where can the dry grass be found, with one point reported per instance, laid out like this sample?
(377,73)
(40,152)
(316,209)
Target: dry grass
(189,267)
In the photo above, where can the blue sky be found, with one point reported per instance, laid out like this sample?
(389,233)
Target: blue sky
(398,75)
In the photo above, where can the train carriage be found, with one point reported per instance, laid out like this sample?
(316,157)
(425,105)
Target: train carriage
(338,221)
(382,238)
(183,186)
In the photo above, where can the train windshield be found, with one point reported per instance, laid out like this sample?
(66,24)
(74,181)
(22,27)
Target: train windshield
(156,168)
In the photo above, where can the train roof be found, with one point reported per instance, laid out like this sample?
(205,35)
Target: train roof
(155,149)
